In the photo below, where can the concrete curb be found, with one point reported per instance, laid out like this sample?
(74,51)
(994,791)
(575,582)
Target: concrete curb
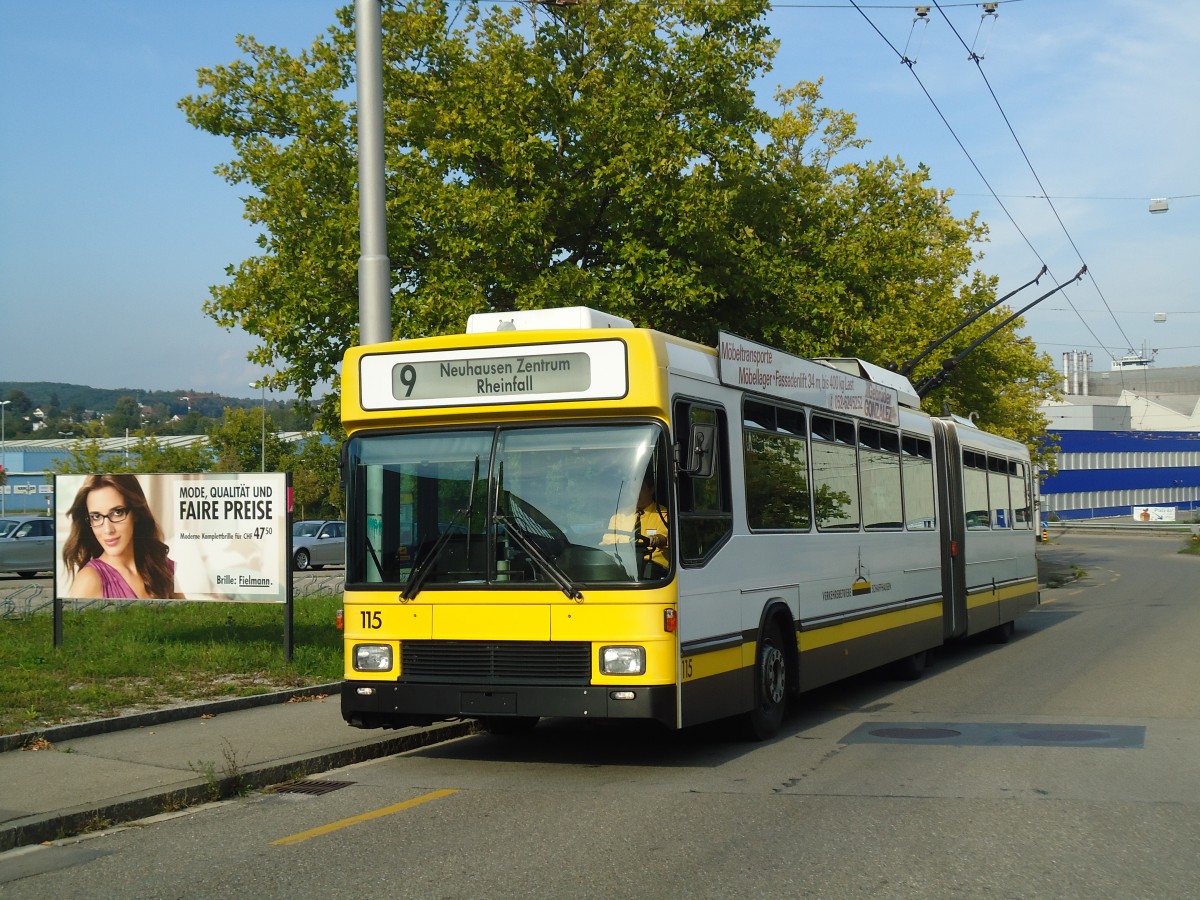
(191,792)
(58,733)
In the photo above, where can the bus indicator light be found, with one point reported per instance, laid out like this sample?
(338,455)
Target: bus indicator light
(670,621)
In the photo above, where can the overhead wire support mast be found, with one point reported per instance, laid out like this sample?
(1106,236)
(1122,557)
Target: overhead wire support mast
(911,364)
(949,365)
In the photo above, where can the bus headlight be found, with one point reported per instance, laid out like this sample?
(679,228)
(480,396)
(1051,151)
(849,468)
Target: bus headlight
(372,658)
(623,660)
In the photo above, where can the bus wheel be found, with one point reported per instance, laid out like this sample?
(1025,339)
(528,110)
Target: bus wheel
(911,667)
(1001,633)
(770,687)
(509,725)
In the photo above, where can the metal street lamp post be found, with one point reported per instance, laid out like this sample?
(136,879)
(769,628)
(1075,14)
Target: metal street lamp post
(261,384)
(3,452)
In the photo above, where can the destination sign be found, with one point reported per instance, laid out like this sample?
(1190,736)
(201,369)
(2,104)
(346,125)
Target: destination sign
(756,367)
(583,370)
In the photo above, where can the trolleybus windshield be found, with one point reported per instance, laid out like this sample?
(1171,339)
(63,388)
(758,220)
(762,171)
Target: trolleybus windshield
(553,506)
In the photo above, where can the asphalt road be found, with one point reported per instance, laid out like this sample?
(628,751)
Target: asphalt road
(1059,765)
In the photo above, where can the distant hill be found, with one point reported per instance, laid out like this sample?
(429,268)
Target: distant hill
(43,393)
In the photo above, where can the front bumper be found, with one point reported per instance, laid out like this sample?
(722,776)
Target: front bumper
(394,705)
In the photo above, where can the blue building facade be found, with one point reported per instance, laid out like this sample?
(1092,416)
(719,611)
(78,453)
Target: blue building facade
(1108,473)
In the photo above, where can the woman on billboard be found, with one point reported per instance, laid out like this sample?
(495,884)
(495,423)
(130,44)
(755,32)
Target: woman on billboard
(115,549)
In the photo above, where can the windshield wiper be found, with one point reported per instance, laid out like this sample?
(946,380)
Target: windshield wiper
(425,566)
(418,575)
(527,544)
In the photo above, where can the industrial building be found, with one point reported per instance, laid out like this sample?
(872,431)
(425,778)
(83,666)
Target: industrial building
(1129,441)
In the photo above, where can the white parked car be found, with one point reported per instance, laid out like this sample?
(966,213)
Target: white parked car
(317,543)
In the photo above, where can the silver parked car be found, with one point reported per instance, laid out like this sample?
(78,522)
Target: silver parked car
(318,543)
(26,545)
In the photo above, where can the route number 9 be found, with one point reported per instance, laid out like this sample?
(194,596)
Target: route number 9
(408,378)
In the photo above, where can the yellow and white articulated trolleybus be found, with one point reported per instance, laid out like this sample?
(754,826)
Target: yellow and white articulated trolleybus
(558,514)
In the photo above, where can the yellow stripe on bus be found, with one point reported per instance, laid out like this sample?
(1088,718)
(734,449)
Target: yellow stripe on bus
(982,596)
(860,628)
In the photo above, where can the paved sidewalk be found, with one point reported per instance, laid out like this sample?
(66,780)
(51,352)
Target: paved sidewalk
(78,783)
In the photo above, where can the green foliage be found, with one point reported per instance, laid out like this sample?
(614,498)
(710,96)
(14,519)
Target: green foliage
(609,155)
(316,485)
(17,419)
(88,456)
(124,418)
(154,456)
(238,442)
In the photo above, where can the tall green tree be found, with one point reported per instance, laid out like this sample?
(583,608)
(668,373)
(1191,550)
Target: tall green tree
(316,486)
(17,414)
(124,418)
(237,443)
(609,154)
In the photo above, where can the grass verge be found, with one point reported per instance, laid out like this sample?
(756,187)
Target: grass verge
(148,656)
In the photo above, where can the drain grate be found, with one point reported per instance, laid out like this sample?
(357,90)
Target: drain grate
(309,786)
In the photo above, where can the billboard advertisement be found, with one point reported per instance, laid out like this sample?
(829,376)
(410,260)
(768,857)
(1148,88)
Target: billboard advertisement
(1154,514)
(211,536)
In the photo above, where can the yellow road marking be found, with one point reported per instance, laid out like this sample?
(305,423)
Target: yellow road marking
(364,817)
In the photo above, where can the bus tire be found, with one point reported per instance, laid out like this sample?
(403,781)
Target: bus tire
(1002,632)
(911,667)
(770,686)
(508,725)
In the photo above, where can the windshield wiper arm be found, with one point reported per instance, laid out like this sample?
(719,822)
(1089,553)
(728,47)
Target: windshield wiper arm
(527,544)
(425,566)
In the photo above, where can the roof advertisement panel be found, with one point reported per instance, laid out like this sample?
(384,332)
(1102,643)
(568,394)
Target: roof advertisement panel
(765,370)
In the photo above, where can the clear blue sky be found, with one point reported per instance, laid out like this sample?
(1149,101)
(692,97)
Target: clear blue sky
(112,224)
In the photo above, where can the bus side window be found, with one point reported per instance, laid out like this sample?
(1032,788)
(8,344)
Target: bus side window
(835,474)
(975,489)
(705,511)
(1018,488)
(916,467)
(775,448)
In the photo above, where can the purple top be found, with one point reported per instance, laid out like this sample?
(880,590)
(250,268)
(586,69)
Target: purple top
(113,586)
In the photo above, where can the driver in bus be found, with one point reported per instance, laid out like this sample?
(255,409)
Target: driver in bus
(648,525)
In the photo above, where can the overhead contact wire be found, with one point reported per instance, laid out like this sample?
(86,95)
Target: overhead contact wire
(908,64)
(974,57)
